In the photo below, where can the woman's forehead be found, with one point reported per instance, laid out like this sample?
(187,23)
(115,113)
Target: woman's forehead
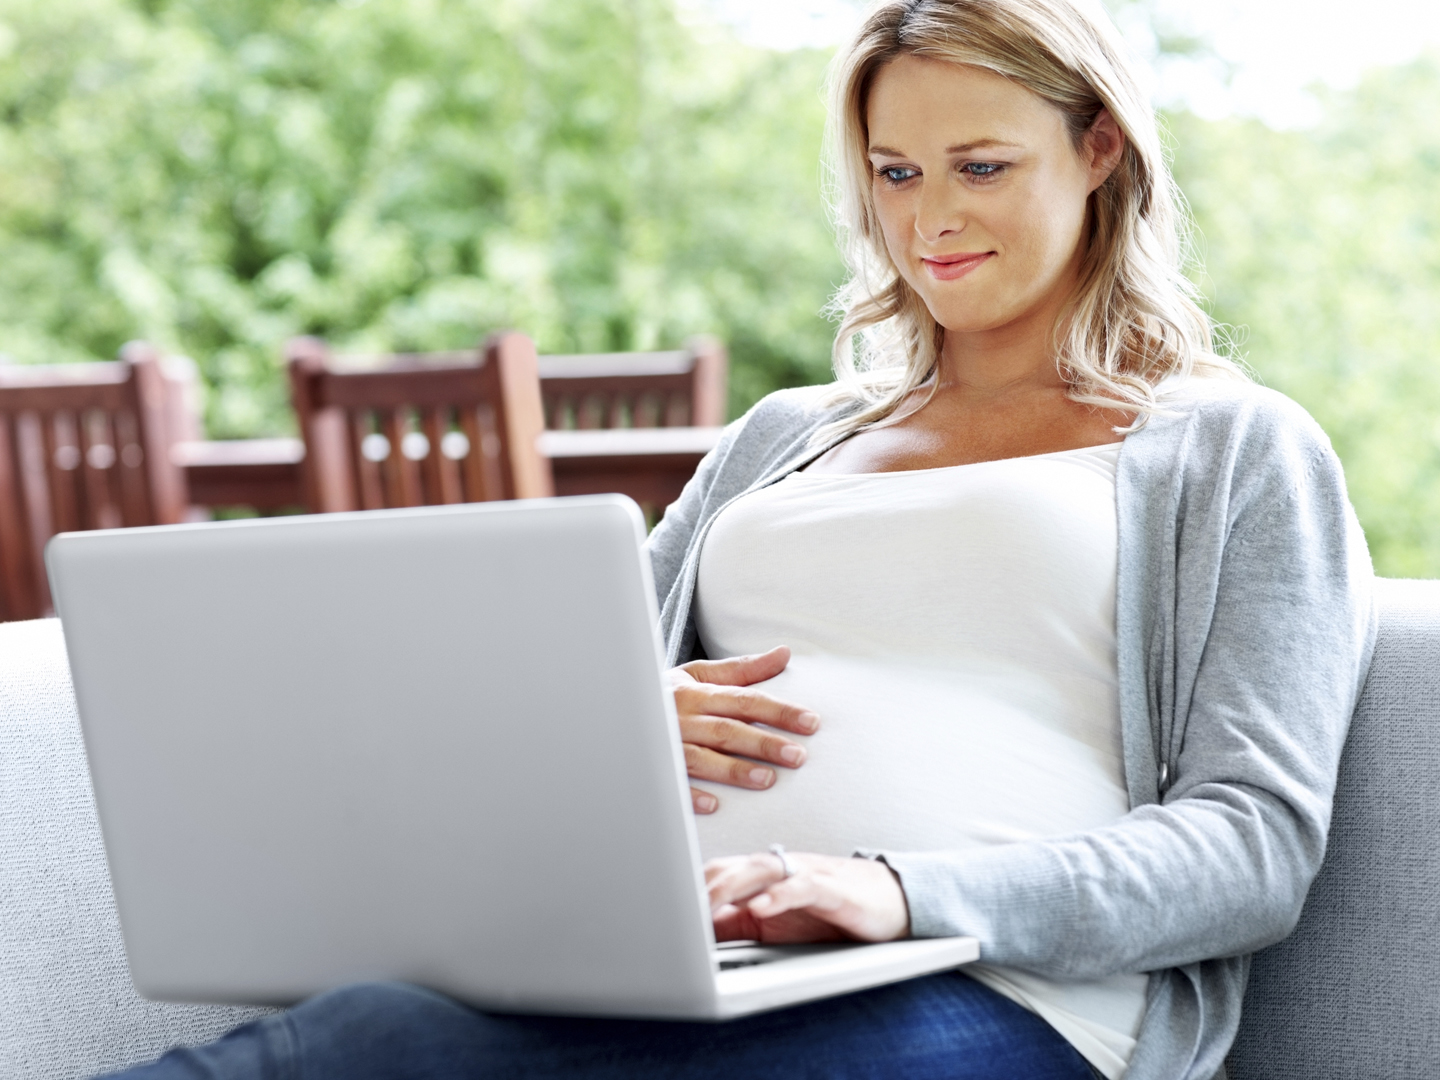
(915,98)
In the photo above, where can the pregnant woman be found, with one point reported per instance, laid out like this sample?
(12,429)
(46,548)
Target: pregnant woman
(1042,624)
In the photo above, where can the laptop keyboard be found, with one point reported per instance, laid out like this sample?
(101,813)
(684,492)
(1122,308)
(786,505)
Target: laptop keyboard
(738,954)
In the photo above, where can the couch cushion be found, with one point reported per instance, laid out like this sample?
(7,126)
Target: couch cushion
(1355,990)
(67,1007)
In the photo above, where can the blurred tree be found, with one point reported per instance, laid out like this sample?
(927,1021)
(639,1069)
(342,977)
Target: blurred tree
(408,174)
(216,175)
(1157,31)
(1322,249)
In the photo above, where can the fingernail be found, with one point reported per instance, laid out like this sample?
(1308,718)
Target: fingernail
(763,900)
(792,755)
(706,803)
(809,721)
(762,777)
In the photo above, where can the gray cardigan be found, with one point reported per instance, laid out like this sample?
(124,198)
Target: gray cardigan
(1244,625)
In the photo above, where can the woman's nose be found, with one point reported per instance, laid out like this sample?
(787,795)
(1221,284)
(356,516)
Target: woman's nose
(937,213)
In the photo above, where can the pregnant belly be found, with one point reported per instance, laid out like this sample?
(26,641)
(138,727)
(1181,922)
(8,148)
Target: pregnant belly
(910,758)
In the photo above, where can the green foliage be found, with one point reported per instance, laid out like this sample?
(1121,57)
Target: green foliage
(216,175)
(1323,249)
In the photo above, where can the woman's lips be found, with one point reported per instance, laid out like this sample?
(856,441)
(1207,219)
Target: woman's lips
(950,267)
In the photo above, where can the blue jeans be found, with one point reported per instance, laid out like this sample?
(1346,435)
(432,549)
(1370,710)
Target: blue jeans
(944,1026)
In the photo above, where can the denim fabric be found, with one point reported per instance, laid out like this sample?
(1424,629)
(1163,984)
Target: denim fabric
(944,1027)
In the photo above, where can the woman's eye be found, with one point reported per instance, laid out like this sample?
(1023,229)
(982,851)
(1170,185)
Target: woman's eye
(981,170)
(897,174)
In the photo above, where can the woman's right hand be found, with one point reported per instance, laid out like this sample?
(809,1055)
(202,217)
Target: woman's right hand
(718,713)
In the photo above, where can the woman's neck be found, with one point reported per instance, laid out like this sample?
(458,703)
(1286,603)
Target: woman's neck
(1018,356)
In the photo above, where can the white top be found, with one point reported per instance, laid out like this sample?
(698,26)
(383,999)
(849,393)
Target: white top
(954,629)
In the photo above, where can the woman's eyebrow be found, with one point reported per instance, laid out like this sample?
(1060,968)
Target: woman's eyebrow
(959,148)
(979,144)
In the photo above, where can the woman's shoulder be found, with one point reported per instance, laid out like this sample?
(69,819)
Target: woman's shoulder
(1249,425)
(781,423)
(795,408)
(1244,451)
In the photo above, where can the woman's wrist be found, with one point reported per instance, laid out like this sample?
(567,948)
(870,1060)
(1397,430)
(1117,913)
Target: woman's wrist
(871,855)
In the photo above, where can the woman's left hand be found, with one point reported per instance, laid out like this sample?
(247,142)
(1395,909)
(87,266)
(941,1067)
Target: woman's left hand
(827,899)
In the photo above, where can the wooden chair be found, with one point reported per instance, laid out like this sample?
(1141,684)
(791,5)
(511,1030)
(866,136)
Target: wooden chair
(684,388)
(636,423)
(420,430)
(82,446)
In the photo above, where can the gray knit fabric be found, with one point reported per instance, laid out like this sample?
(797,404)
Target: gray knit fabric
(67,1007)
(1354,992)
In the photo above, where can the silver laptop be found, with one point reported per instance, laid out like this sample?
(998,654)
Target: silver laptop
(433,745)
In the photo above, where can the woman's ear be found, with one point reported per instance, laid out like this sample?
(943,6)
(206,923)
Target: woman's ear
(1104,143)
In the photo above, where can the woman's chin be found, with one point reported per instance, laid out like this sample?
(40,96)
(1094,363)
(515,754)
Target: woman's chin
(981,315)
(970,321)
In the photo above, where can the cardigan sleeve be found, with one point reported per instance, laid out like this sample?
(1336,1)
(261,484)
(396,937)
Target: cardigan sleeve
(1272,581)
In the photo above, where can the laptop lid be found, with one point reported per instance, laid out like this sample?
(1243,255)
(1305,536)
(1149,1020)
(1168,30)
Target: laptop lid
(433,745)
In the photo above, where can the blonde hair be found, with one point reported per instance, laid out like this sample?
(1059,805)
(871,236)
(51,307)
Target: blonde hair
(1133,318)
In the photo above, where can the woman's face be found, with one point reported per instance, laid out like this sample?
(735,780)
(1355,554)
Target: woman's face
(980,191)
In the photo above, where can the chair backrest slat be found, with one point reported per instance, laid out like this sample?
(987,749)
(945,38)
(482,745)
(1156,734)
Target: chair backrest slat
(97,458)
(480,472)
(17,578)
(370,488)
(401,472)
(441,473)
(60,450)
(128,470)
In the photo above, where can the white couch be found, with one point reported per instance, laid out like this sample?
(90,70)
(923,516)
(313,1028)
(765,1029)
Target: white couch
(67,1007)
(1353,993)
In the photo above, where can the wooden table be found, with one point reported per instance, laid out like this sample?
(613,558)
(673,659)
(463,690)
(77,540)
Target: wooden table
(651,465)
(263,473)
